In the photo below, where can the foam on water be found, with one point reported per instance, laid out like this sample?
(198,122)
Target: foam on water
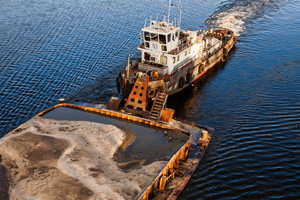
(237,14)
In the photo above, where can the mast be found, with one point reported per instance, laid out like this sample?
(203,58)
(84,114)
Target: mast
(128,66)
(169,12)
(180,14)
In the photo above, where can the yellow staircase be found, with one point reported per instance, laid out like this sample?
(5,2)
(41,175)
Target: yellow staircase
(158,106)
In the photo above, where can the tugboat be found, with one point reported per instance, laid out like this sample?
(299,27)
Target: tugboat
(172,58)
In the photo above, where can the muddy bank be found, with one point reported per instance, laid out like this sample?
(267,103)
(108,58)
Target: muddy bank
(49,159)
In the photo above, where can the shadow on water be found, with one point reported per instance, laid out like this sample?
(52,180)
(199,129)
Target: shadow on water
(181,101)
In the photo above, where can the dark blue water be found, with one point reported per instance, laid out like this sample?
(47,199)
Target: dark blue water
(74,50)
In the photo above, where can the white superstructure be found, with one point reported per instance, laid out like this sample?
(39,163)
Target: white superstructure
(172,58)
(167,47)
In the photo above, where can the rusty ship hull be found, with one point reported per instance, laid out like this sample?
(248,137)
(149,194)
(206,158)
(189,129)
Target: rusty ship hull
(215,46)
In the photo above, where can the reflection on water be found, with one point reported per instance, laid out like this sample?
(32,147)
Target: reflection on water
(53,50)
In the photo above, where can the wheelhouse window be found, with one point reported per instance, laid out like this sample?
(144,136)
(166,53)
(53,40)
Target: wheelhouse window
(176,34)
(147,36)
(154,37)
(173,37)
(163,47)
(147,44)
(178,57)
(162,39)
(169,38)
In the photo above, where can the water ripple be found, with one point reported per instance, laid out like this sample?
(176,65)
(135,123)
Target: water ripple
(50,50)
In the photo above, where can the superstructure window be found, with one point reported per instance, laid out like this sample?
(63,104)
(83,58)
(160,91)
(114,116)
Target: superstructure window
(162,39)
(147,44)
(178,57)
(189,50)
(163,60)
(173,37)
(154,37)
(169,38)
(174,60)
(176,34)
(147,36)
(185,53)
(163,47)
(147,56)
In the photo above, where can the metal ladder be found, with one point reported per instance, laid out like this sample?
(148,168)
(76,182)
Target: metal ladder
(158,106)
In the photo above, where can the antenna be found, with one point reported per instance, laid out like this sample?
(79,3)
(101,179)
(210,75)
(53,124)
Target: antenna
(180,17)
(180,9)
(171,6)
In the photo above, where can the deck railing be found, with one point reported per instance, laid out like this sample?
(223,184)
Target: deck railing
(204,55)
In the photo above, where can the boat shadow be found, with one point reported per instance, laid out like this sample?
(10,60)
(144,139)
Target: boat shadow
(182,100)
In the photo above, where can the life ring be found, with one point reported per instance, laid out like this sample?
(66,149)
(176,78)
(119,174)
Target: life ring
(189,77)
(189,42)
(181,82)
(151,93)
(200,69)
(225,52)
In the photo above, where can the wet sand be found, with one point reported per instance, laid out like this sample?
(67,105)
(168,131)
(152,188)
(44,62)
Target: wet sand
(52,159)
